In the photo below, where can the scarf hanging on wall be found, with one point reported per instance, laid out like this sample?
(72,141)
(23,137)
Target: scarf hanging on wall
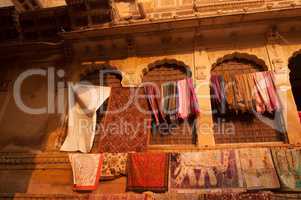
(84,100)
(253,92)
(86,170)
(126,124)
(148,172)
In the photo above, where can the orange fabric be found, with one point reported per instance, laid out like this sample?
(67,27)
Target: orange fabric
(148,172)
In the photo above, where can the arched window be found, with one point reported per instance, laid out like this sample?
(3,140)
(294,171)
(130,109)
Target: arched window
(243,128)
(184,132)
(295,78)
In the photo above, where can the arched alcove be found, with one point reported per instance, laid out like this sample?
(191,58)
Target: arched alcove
(160,72)
(295,77)
(243,127)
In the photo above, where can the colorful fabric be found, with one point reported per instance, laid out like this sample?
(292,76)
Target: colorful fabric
(184,100)
(288,165)
(262,101)
(117,197)
(194,105)
(170,98)
(114,165)
(84,100)
(86,170)
(205,170)
(270,84)
(126,124)
(154,99)
(188,103)
(218,91)
(148,172)
(258,169)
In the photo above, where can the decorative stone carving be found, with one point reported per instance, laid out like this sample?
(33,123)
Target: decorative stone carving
(275,51)
(131,79)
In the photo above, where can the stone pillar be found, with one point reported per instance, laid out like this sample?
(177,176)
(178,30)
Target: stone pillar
(279,64)
(202,77)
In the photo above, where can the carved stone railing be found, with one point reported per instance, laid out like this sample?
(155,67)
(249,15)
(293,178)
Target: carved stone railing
(160,9)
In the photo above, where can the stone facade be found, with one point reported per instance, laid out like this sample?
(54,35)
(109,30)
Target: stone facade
(197,35)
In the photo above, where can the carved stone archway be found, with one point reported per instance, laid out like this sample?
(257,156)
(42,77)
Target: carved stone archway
(166,61)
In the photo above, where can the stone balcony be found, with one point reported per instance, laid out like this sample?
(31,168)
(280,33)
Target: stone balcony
(162,9)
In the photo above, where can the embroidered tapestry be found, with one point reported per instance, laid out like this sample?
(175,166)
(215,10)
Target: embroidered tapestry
(288,165)
(258,169)
(114,165)
(126,123)
(197,171)
(86,170)
(148,172)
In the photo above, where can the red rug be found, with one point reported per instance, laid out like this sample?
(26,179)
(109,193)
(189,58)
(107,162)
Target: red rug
(148,172)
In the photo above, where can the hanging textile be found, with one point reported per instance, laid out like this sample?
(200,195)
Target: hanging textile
(188,104)
(194,105)
(86,170)
(84,100)
(270,84)
(258,169)
(218,92)
(262,100)
(245,92)
(126,124)
(148,172)
(288,165)
(229,85)
(114,165)
(207,170)
(154,100)
(170,98)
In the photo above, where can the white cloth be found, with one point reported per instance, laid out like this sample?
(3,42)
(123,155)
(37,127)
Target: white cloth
(84,100)
(86,169)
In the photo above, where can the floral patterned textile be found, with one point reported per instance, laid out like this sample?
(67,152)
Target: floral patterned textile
(126,123)
(148,172)
(114,165)
(117,197)
(288,165)
(197,171)
(258,169)
(86,170)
